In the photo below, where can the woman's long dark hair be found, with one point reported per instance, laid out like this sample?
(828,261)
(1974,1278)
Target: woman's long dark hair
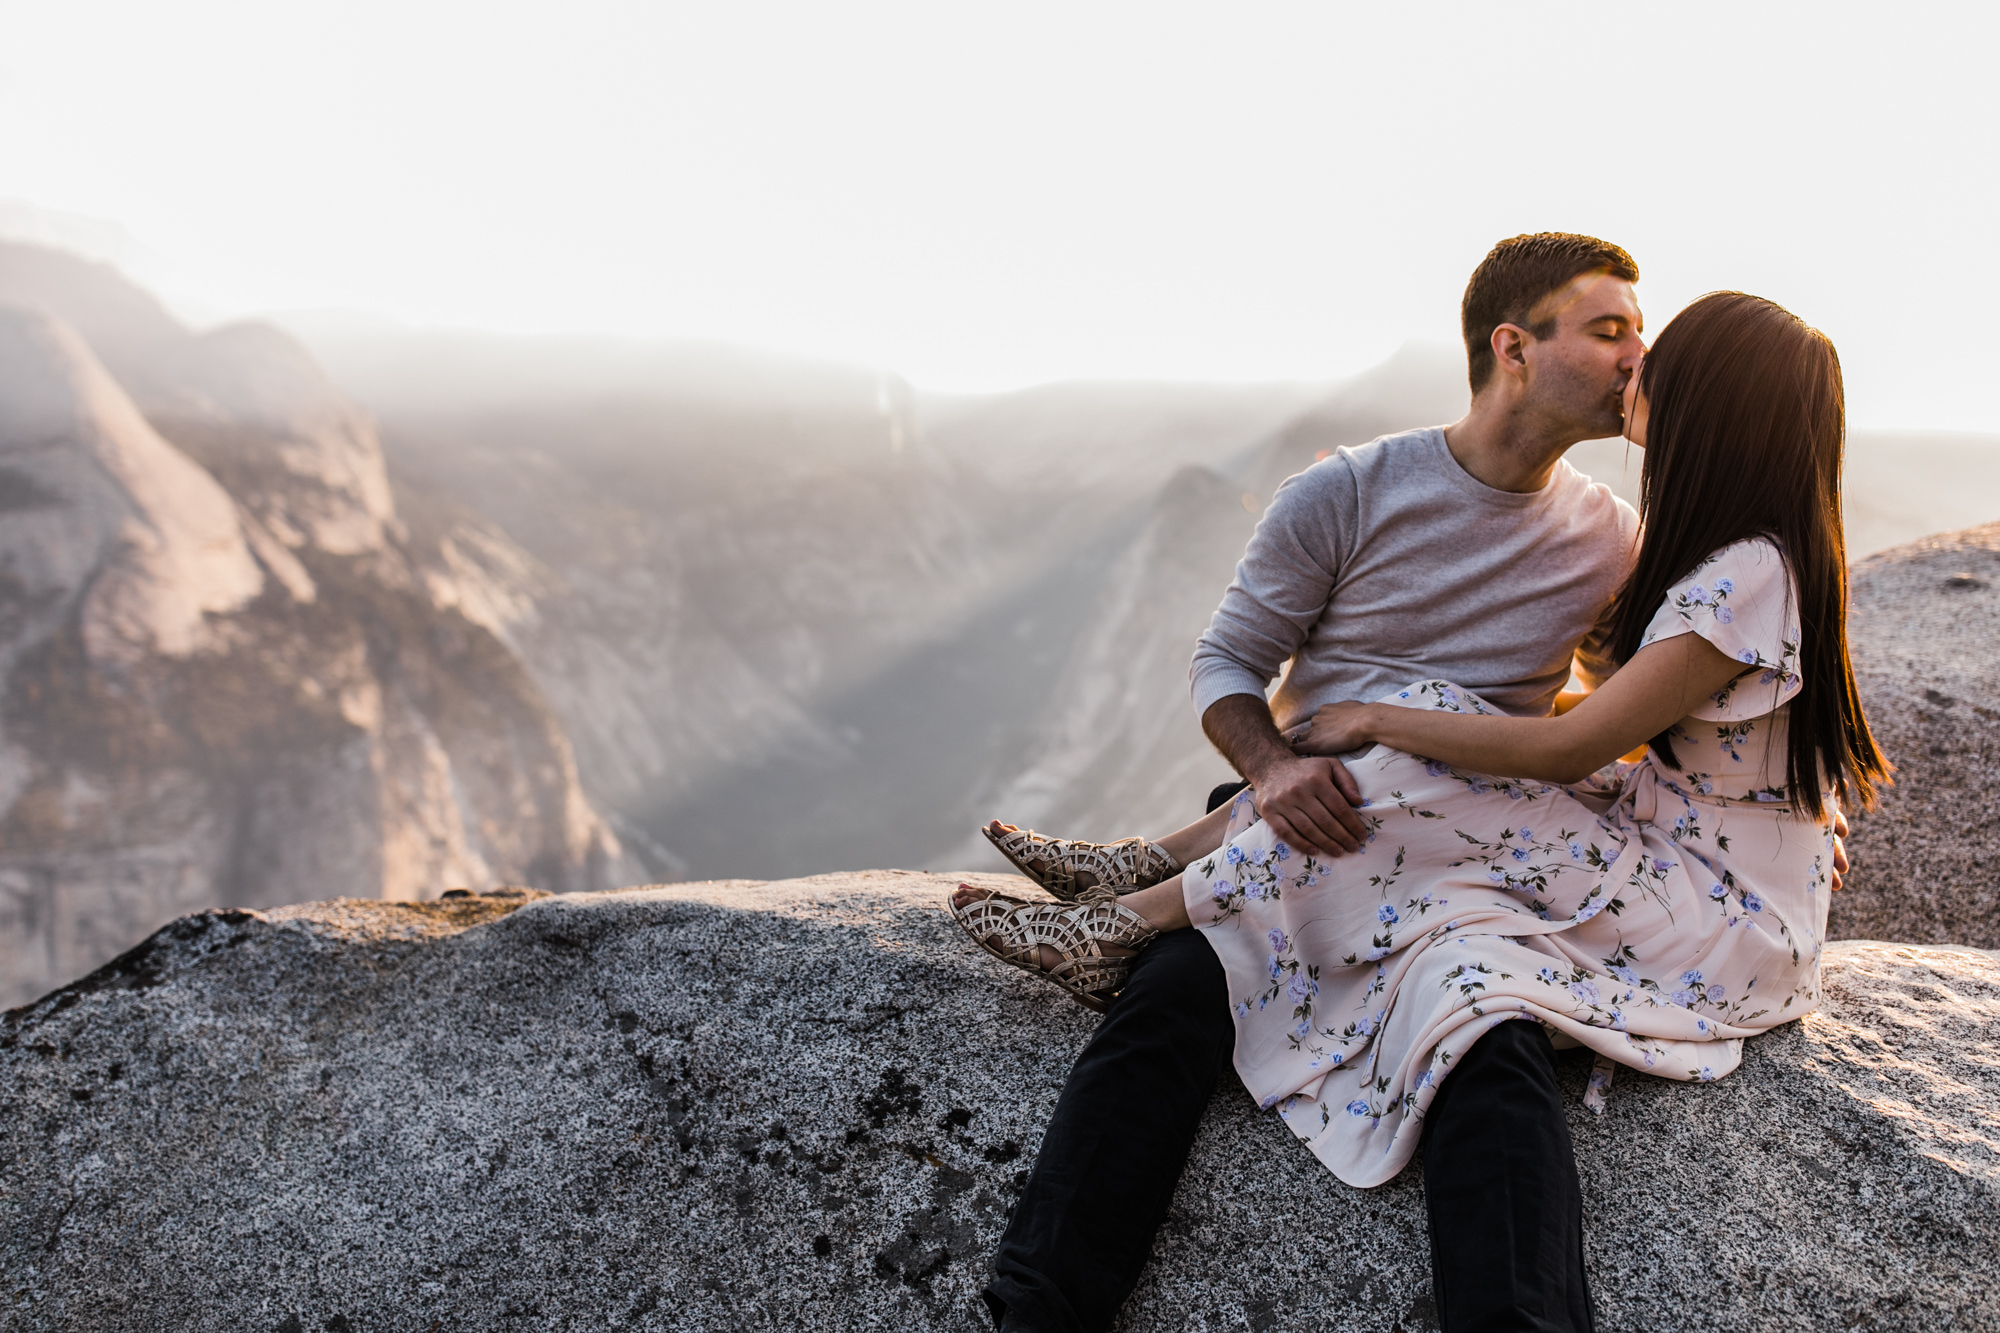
(1745,431)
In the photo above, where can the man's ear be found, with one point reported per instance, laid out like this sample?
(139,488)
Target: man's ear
(1510,350)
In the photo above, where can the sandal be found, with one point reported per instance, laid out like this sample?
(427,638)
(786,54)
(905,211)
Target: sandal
(1015,932)
(1123,866)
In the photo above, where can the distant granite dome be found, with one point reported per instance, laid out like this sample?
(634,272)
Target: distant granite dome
(810,1105)
(222,679)
(106,523)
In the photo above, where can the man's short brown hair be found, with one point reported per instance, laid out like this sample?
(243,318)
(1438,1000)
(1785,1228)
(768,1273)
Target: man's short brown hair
(1514,277)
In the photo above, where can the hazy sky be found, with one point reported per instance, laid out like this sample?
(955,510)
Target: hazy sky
(986,195)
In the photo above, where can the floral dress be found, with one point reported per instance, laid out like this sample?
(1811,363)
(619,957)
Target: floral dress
(1658,914)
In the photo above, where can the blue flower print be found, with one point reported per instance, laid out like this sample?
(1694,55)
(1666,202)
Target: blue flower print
(1697,593)
(1234,855)
(1705,1074)
(1748,655)
(1222,889)
(1656,977)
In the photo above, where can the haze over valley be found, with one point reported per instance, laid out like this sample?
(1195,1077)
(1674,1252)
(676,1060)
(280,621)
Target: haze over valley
(332,607)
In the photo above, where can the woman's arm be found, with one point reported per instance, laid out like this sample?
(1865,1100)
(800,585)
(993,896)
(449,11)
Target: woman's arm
(1662,684)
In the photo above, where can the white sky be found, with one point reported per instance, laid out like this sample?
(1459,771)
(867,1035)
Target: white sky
(986,195)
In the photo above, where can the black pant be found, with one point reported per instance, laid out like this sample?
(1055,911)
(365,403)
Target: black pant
(1499,1175)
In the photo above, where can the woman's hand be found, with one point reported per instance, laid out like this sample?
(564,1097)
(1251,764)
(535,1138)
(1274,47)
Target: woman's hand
(1334,729)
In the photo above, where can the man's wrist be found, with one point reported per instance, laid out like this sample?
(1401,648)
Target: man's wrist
(1259,769)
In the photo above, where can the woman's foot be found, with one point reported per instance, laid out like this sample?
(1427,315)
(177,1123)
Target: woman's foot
(1045,956)
(1085,948)
(1069,868)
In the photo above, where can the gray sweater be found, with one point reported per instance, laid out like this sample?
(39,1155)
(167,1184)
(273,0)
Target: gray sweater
(1390,563)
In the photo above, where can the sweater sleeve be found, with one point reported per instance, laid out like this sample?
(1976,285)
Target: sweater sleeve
(1593,661)
(1282,585)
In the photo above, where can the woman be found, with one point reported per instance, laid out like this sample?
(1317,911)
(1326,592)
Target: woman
(1659,911)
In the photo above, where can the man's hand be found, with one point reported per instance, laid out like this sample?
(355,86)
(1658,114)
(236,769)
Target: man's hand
(1840,831)
(1309,803)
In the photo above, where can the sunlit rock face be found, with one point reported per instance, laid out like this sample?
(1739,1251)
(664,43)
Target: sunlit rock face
(224,680)
(105,521)
(1925,627)
(811,1104)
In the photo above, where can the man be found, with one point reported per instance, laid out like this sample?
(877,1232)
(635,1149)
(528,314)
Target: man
(1471,553)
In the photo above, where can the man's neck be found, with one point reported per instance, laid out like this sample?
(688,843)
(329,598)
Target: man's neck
(1506,448)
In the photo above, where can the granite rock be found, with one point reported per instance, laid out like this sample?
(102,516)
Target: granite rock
(1924,631)
(810,1104)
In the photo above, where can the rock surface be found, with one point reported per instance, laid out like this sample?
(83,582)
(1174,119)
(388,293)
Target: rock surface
(1925,638)
(809,1104)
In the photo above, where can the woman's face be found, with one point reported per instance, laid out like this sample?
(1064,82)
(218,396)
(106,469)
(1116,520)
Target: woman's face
(1635,409)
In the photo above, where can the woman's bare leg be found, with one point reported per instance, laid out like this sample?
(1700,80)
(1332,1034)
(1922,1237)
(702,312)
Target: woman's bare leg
(1199,838)
(1163,905)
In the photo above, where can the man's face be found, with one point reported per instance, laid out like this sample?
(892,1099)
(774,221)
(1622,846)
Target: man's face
(1578,373)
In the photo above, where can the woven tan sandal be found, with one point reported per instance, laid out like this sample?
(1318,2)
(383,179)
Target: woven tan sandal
(1124,866)
(1015,932)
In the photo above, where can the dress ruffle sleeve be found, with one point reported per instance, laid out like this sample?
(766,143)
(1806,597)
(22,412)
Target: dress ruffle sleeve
(1740,599)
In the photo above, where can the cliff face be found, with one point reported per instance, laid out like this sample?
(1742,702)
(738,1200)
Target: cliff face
(810,1105)
(799,620)
(225,680)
